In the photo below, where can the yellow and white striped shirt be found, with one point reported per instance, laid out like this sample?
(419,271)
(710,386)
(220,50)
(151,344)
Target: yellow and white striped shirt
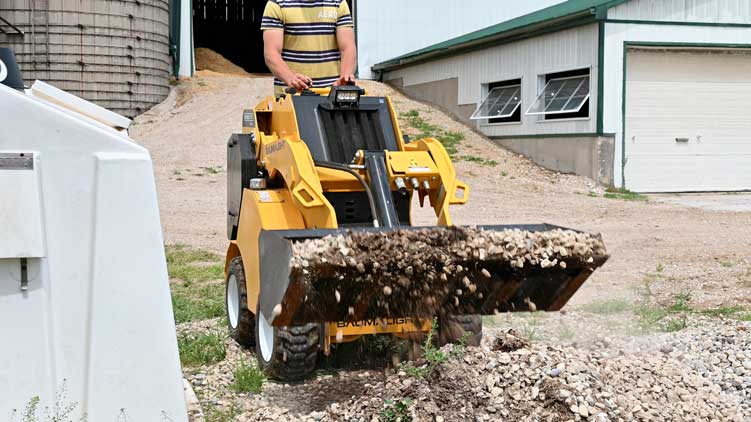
(310,46)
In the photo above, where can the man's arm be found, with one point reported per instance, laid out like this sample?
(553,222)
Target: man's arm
(345,38)
(273,42)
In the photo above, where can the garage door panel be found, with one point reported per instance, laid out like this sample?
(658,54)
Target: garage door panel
(688,121)
(688,174)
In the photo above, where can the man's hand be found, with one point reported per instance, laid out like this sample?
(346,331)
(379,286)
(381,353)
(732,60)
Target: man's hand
(298,81)
(345,79)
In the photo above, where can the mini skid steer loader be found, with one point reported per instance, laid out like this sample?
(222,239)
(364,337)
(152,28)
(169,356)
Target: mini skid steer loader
(322,250)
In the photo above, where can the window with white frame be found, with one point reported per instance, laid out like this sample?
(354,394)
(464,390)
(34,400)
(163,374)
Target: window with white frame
(565,96)
(502,104)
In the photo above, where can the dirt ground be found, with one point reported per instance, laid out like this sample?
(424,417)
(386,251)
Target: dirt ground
(704,252)
(666,253)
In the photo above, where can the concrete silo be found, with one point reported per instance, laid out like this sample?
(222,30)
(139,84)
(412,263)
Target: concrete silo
(115,53)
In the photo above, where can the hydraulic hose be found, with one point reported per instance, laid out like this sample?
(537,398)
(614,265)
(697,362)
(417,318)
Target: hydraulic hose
(368,192)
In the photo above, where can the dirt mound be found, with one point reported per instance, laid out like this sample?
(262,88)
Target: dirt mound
(425,272)
(209,60)
(509,342)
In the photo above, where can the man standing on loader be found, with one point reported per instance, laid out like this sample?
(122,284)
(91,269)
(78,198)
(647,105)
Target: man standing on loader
(309,43)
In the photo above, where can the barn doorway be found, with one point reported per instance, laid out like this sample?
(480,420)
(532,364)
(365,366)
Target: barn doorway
(232,28)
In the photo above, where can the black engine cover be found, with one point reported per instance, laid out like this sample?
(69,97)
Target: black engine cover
(241,167)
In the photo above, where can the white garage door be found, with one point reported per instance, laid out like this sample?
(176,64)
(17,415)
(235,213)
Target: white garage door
(688,120)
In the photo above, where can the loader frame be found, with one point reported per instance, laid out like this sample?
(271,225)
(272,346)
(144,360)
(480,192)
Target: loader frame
(295,200)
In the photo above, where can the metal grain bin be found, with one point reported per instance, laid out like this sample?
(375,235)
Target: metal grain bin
(113,53)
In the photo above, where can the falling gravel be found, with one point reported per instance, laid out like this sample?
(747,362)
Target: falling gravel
(425,272)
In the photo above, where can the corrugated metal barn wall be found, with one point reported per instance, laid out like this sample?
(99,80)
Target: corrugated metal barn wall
(114,53)
(710,11)
(389,28)
(528,60)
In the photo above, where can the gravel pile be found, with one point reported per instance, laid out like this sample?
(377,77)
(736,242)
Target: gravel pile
(720,354)
(512,380)
(421,273)
(207,59)
(701,373)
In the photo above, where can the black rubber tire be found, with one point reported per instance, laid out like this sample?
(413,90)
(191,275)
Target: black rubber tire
(294,353)
(244,333)
(452,330)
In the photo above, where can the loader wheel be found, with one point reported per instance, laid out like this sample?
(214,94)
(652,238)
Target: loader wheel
(239,319)
(452,329)
(286,353)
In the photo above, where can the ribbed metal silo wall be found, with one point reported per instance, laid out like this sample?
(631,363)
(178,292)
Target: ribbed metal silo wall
(112,52)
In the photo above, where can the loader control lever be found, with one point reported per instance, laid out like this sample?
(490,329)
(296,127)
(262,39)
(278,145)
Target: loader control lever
(375,166)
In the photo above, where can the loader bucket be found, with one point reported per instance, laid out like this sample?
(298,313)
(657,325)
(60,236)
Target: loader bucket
(326,287)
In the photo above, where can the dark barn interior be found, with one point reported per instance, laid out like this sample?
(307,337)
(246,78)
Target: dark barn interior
(232,28)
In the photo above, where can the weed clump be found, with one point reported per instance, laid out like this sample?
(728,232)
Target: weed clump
(433,356)
(624,195)
(396,411)
(248,379)
(203,349)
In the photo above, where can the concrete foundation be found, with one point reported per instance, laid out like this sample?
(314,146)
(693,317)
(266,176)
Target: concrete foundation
(443,94)
(586,156)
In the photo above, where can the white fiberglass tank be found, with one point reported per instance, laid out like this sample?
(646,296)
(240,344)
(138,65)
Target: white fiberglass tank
(85,311)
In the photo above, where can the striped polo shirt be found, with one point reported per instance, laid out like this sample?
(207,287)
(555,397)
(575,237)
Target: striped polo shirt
(310,46)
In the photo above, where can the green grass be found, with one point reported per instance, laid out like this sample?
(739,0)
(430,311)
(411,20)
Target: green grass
(395,411)
(504,173)
(193,265)
(29,413)
(450,140)
(62,411)
(566,333)
(248,379)
(195,298)
(650,316)
(215,414)
(670,318)
(623,195)
(202,349)
(608,307)
(727,264)
(723,311)
(434,357)
(675,323)
(479,160)
(531,328)
(195,303)
(745,317)
(212,170)
(681,302)
(489,321)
